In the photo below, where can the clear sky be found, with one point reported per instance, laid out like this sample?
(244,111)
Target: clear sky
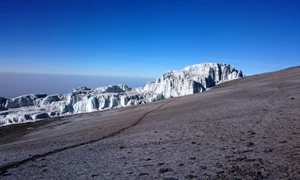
(145,38)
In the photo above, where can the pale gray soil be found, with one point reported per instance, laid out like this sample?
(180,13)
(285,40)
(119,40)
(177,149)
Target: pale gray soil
(243,129)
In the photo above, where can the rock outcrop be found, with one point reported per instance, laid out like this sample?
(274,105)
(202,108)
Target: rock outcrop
(190,80)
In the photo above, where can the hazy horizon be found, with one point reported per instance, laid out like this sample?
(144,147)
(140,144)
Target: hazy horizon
(16,84)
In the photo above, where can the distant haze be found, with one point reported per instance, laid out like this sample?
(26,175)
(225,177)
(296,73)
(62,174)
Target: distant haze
(16,84)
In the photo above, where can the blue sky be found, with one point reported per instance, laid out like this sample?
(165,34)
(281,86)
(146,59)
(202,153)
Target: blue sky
(145,38)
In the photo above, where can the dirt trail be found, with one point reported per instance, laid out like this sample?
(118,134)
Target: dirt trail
(4,168)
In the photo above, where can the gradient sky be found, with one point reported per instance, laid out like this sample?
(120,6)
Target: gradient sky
(145,38)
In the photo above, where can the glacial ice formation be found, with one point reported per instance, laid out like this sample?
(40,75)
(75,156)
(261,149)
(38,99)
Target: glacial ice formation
(192,79)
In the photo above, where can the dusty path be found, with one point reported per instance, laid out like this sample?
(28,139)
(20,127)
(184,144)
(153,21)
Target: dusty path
(243,129)
(4,168)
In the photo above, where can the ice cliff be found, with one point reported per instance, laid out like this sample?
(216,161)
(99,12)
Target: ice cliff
(192,79)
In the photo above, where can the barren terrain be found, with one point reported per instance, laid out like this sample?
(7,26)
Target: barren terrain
(243,129)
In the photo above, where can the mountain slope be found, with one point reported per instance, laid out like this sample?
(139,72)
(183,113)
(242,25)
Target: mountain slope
(243,129)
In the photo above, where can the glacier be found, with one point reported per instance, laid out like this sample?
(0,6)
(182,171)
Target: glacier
(190,80)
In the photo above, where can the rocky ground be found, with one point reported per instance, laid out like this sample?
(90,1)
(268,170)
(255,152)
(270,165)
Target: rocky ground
(243,129)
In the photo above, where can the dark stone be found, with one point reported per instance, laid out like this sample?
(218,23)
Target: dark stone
(43,170)
(121,147)
(94,175)
(251,132)
(250,160)
(241,158)
(160,164)
(250,144)
(219,165)
(220,172)
(268,150)
(164,170)
(143,174)
(203,167)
